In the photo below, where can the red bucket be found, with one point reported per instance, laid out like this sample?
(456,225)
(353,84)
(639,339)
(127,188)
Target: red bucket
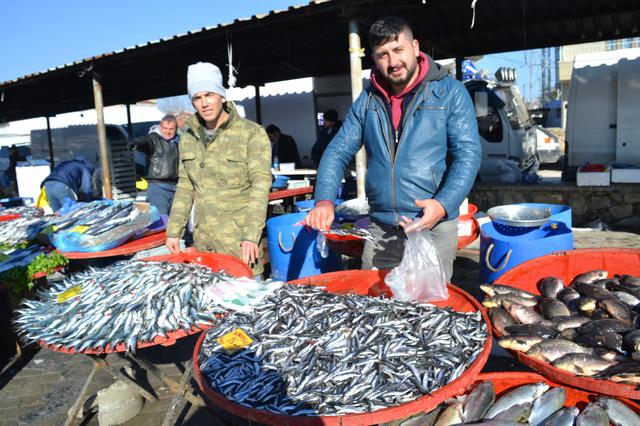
(215,261)
(469,224)
(566,265)
(370,283)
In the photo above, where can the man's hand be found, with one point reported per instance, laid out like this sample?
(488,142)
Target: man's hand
(321,216)
(173,244)
(250,252)
(432,212)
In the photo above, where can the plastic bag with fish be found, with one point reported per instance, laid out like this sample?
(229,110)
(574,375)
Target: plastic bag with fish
(106,235)
(420,275)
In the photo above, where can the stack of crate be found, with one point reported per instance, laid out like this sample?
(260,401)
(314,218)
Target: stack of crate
(123,171)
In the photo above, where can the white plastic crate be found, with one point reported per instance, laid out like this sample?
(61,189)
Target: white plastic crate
(594,178)
(625,175)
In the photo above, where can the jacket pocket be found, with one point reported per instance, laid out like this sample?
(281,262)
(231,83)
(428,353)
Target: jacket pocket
(188,160)
(234,172)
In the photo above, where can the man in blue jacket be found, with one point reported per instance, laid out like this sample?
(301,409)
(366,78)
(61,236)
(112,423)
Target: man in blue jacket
(419,129)
(70,179)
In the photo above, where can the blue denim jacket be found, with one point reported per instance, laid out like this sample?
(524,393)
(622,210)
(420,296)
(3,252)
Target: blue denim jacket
(437,153)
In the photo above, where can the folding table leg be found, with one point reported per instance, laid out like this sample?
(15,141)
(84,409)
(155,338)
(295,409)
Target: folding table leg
(101,362)
(77,406)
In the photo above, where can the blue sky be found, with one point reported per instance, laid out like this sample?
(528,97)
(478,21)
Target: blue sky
(39,34)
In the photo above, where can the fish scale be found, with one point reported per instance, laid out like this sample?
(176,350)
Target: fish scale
(352,353)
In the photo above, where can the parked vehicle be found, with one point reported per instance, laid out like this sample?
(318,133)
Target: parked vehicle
(506,130)
(603,109)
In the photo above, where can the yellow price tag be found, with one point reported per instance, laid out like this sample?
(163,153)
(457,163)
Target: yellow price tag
(80,229)
(235,340)
(69,294)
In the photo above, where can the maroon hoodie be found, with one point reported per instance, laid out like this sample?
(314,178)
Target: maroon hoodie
(395,101)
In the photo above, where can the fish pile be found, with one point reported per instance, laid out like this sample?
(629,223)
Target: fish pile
(536,404)
(361,233)
(318,353)
(588,328)
(23,229)
(24,211)
(125,303)
(353,208)
(97,216)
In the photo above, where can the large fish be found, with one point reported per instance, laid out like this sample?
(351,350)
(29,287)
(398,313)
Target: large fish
(619,413)
(501,319)
(551,350)
(532,329)
(552,308)
(496,289)
(605,326)
(582,364)
(524,314)
(547,404)
(563,417)
(592,415)
(478,402)
(520,343)
(589,276)
(550,286)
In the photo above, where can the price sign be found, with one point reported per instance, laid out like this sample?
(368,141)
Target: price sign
(235,340)
(80,229)
(69,294)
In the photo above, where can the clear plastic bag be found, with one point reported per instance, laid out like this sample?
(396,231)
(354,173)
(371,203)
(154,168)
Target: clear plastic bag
(420,275)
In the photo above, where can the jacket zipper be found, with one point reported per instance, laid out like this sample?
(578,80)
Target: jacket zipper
(394,134)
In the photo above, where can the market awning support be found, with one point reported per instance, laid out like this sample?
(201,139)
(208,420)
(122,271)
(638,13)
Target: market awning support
(355,55)
(129,125)
(258,105)
(102,138)
(50,141)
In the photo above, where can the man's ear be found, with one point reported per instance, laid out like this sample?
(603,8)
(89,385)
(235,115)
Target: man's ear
(224,100)
(416,47)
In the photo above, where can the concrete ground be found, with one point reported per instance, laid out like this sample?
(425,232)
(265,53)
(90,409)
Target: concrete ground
(39,388)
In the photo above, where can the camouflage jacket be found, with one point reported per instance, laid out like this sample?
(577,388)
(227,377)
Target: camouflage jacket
(228,180)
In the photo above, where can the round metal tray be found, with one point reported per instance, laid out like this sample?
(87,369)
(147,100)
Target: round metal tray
(521,216)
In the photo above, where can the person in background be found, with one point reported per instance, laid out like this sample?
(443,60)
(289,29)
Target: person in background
(423,149)
(282,146)
(69,179)
(161,145)
(330,127)
(224,171)
(15,156)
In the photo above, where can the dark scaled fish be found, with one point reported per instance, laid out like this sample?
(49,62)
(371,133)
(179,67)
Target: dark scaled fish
(589,276)
(624,372)
(605,326)
(601,340)
(550,286)
(552,308)
(501,319)
(568,322)
(532,329)
(616,309)
(591,290)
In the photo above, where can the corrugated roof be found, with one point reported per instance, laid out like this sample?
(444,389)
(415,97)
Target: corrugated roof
(312,40)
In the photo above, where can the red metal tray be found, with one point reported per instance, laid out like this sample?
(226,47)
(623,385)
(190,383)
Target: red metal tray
(566,265)
(130,247)
(364,282)
(215,261)
(6,217)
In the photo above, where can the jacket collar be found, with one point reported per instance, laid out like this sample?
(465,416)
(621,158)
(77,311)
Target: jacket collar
(195,124)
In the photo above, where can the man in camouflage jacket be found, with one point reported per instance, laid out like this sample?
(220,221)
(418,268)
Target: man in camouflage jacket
(224,171)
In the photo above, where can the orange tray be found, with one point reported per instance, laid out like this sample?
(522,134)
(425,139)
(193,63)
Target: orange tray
(566,265)
(363,282)
(214,261)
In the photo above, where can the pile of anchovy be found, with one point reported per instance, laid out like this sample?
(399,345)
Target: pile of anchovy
(24,211)
(125,303)
(22,229)
(318,353)
(98,216)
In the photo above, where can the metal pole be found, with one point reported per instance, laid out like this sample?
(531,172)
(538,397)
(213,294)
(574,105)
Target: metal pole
(102,139)
(50,144)
(129,125)
(355,55)
(258,105)
(459,68)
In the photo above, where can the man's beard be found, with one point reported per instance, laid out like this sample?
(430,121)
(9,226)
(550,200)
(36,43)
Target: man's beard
(402,81)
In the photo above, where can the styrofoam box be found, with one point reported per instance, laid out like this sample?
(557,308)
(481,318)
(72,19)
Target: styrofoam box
(287,167)
(300,183)
(593,178)
(625,175)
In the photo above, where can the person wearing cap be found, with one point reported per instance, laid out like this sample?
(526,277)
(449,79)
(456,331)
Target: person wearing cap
(330,126)
(224,172)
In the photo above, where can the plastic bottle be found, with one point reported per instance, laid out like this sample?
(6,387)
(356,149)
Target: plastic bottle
(276,163)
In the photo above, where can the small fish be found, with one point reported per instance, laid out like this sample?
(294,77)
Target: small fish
(547,404)
(501,319)
(551,350)
(589,276)
(519,395)
(496,289)
(563,417)
(619,413)
(592,415)
(520,343)
(478,402)
(582,364)
(550,286)
(605,326)
(552,308)
(532,329)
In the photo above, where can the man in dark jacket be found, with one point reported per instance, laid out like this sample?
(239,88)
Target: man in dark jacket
(70,179)
(282,146)
(419,128)
(330,126)
(161,144)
